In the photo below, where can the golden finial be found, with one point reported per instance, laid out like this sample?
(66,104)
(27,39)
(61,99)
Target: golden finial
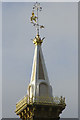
(35,21)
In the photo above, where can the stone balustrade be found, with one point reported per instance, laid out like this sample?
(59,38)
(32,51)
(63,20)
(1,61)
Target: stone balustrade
(40,100)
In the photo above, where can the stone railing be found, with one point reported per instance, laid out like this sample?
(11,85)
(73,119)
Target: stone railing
(21,102)
(40,100)
(50,100)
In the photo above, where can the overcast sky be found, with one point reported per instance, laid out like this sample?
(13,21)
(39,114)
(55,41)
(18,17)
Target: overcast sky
(60,50)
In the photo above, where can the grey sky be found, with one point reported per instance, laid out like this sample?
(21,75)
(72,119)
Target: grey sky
(0,59)
(60,49)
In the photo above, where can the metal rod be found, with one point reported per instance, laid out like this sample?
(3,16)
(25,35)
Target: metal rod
(37,22)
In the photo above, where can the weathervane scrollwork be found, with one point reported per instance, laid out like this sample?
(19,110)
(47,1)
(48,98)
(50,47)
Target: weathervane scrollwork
(35,18)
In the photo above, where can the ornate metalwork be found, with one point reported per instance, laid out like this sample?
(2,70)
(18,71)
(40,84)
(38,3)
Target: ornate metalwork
(40,100)
(37,40)
(35,21)
(35,18)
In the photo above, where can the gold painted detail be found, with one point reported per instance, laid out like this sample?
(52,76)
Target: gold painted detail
(21,103)
(40,100)
(34,19)
(37,40)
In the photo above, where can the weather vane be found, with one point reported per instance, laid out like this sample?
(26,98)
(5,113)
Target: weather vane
(35,18)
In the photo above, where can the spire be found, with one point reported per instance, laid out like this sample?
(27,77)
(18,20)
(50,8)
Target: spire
(39,83)
(39,102)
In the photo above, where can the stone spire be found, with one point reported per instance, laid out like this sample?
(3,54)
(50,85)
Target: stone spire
(39,84)
(39,104)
